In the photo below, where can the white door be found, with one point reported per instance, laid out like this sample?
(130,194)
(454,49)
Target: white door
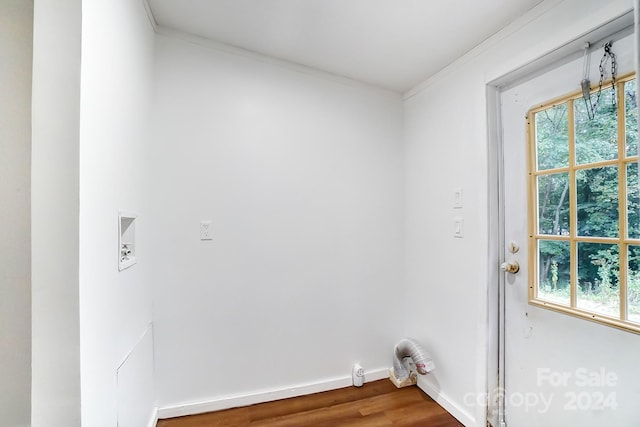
(559,370)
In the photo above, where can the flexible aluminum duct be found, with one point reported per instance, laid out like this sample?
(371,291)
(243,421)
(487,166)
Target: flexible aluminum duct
(408,347)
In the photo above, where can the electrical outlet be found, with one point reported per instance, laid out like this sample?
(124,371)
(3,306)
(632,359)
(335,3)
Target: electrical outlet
(457,197)
(205,230)
(357,375)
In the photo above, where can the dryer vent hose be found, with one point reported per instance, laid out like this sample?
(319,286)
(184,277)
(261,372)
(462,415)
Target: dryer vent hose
(410,348)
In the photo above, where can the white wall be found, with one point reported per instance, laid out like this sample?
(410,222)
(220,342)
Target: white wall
(55,393)
(302,178)
(446,147)
(445,275)
(115,143)
(16,46)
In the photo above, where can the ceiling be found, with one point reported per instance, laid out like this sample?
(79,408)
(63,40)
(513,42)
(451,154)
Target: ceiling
(394,44)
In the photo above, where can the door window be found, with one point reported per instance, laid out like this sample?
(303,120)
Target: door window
(583,205)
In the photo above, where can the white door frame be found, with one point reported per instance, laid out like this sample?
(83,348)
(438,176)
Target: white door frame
(614,29)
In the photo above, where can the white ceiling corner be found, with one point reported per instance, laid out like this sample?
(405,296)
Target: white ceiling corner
(393,44)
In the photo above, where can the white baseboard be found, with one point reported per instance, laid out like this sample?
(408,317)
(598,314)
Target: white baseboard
(443,400)
(154,418)
(239,400)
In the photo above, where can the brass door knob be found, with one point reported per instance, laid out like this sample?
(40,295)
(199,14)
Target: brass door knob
(510,267)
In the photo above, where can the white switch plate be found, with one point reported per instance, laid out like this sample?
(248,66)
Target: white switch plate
(457,197)
(458,227)
(205,230)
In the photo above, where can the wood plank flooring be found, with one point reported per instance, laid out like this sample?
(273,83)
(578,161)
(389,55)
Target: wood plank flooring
(376,404)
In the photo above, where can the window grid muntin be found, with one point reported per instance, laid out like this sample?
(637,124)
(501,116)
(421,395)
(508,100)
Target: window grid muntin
(623,241)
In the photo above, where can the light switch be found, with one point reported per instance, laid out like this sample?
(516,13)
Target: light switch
(458,224)
(457,197)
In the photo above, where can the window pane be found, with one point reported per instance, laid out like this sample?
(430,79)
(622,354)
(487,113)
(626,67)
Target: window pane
(633,284)
(554,271)
(631,117)
(597,195)
(553,204)
(596,138)
(633,202)
(598,278)
(552,137)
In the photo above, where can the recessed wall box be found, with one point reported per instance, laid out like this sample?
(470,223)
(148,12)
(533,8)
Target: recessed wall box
(126,240)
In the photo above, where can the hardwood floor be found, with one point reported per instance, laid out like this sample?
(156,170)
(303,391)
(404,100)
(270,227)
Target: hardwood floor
(376,404)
